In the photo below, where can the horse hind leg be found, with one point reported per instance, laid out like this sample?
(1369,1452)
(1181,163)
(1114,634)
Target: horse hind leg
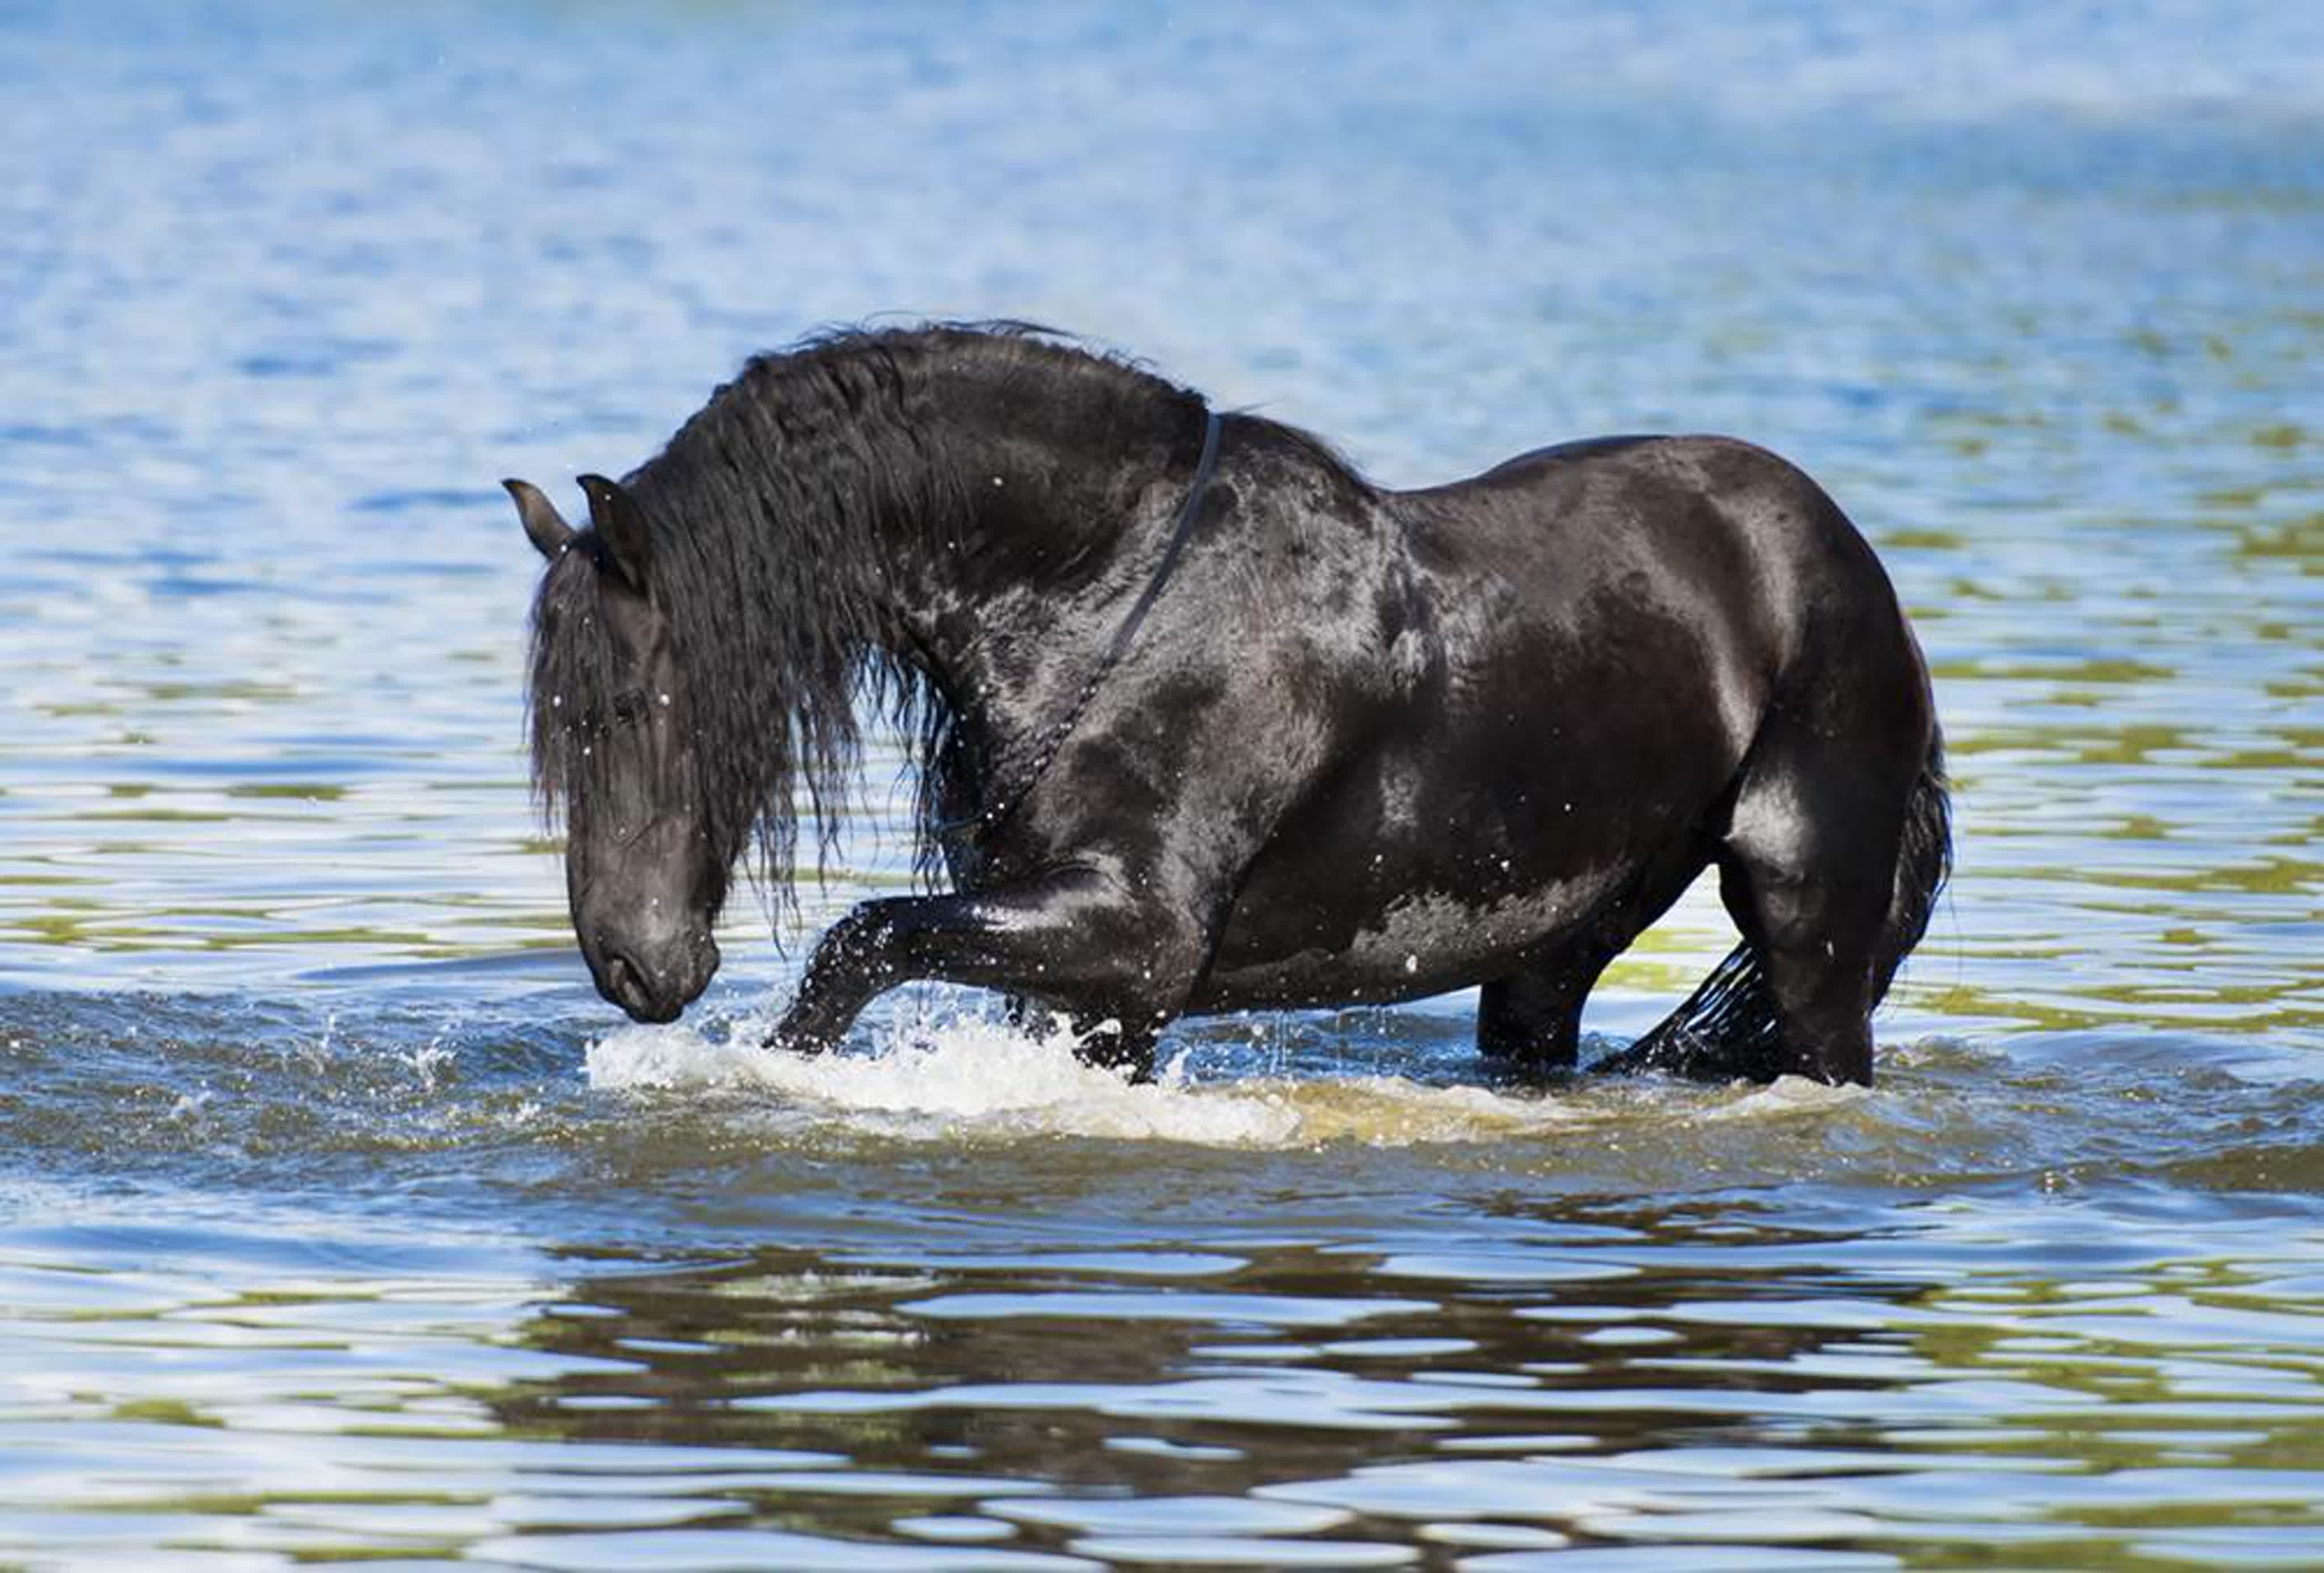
(1531,1019)
(1831,880)
(1815,930)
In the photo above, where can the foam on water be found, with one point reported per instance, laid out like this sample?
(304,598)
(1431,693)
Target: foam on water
(965,1075)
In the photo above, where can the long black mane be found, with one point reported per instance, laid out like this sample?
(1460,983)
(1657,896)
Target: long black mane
(775,515)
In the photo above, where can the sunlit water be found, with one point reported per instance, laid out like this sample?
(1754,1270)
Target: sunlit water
(338,1218)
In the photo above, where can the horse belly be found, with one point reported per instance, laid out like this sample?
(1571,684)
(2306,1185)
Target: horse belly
(1475,851)
(1295,942)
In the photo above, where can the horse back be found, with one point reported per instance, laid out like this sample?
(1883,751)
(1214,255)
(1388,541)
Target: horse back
(1713,538)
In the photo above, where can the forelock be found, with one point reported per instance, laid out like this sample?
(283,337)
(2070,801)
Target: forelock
(576,667)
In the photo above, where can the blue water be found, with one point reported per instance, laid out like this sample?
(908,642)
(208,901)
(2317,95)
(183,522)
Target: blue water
(337,1216)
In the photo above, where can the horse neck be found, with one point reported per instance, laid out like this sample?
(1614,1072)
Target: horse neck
(1060,490)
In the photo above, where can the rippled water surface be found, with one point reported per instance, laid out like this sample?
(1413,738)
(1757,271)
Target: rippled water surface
(338,1218)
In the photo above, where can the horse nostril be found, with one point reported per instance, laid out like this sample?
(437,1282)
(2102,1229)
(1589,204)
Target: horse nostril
(623,980)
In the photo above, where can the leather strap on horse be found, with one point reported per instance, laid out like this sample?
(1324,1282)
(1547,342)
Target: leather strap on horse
(992,818)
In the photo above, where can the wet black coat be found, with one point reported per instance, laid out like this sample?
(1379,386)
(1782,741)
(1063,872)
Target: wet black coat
(1368,745)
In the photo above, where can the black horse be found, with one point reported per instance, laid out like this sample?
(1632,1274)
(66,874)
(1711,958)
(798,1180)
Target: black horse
(1206,723)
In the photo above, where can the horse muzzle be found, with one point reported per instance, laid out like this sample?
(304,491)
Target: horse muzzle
(654,983)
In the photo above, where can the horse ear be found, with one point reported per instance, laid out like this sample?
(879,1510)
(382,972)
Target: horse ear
(542,525)
(620,527)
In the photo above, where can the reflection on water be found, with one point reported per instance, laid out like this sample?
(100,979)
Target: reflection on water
(339,1221)
(961,1292)
(1916,1381)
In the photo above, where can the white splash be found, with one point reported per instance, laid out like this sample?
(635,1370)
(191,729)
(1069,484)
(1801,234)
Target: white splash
(965,1077)
(975,1077)
(1787,1096)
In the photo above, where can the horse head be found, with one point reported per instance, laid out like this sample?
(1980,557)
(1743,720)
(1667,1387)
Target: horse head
(611,746)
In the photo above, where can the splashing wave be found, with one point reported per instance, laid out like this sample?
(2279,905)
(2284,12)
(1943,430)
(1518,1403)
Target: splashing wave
(979,1077)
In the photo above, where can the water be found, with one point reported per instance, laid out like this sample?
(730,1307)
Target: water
(338,1218)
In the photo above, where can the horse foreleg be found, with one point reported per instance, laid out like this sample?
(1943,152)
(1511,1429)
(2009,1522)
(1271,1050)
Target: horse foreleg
(1112,1043)
(1075,938)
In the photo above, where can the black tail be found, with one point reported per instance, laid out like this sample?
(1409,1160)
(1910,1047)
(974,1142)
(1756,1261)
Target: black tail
(1924,861)
(1730,1022)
